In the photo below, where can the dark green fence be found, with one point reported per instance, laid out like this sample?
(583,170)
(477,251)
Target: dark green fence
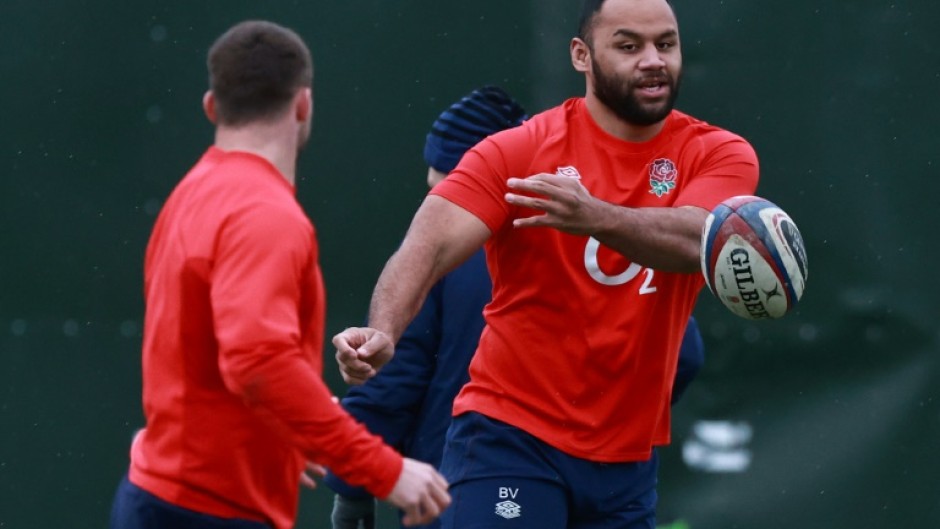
(827,418)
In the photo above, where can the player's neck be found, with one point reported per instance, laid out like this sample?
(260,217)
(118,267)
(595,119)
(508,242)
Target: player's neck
(273,142)
(612,124)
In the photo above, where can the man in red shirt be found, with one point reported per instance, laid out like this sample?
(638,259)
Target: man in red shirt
(591,214)
(233,395)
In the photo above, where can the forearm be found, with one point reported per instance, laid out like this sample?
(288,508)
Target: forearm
(442,235)
(667,239)
(402,288)
(285,390)
(663,238)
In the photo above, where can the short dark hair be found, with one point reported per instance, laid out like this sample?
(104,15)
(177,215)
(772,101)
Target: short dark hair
(589,9)
(255,69)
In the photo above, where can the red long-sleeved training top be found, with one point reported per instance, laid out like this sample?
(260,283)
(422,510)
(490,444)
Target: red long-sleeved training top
(232,356)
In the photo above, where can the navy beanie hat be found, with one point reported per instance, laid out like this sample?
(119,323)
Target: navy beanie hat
(483,112)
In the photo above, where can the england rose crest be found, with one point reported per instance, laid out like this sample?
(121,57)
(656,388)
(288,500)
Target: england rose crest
(663,174)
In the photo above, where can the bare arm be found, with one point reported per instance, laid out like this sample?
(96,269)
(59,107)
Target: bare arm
(666,239)
(442,235)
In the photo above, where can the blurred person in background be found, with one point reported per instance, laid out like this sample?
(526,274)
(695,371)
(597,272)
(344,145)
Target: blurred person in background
(235,405)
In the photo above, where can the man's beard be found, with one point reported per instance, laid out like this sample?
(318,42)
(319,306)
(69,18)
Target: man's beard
(619,96)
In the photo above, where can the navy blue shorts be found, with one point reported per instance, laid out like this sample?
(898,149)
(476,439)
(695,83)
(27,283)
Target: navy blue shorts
(500,476)
(135,508)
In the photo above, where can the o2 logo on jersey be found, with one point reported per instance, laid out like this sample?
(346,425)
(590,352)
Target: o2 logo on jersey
(594,270)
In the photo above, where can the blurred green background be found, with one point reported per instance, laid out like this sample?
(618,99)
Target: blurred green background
(829,417)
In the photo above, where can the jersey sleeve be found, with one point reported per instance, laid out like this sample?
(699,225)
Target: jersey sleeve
(729,168)
(263,255)
(478,183)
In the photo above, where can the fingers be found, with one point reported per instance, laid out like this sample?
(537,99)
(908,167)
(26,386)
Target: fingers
(545,202)
(316,469)
(440,484)
(437,500)
(544,184)
(567,205)
(377,350)
(412,517)
(353,369)
(556,193)
(551,209)
(307,481)
(428,509)
(312,471)
(539,180)
(421,492)
(529,202)
(360,352)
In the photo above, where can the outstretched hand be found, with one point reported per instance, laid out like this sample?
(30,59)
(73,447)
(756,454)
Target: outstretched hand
(361,352)
(568,205)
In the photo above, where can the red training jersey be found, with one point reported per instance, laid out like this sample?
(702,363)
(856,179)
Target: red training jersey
(233,392)
(581,345)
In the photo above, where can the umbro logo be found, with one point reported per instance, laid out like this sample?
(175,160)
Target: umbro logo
(569,171)
(508,509)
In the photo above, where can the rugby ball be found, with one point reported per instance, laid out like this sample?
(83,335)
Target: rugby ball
(753,258)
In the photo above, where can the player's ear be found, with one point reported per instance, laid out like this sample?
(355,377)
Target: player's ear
(303,104)
(208,106)
(580,54)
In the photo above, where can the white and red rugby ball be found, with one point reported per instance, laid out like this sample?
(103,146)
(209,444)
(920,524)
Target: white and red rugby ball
(753,258)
